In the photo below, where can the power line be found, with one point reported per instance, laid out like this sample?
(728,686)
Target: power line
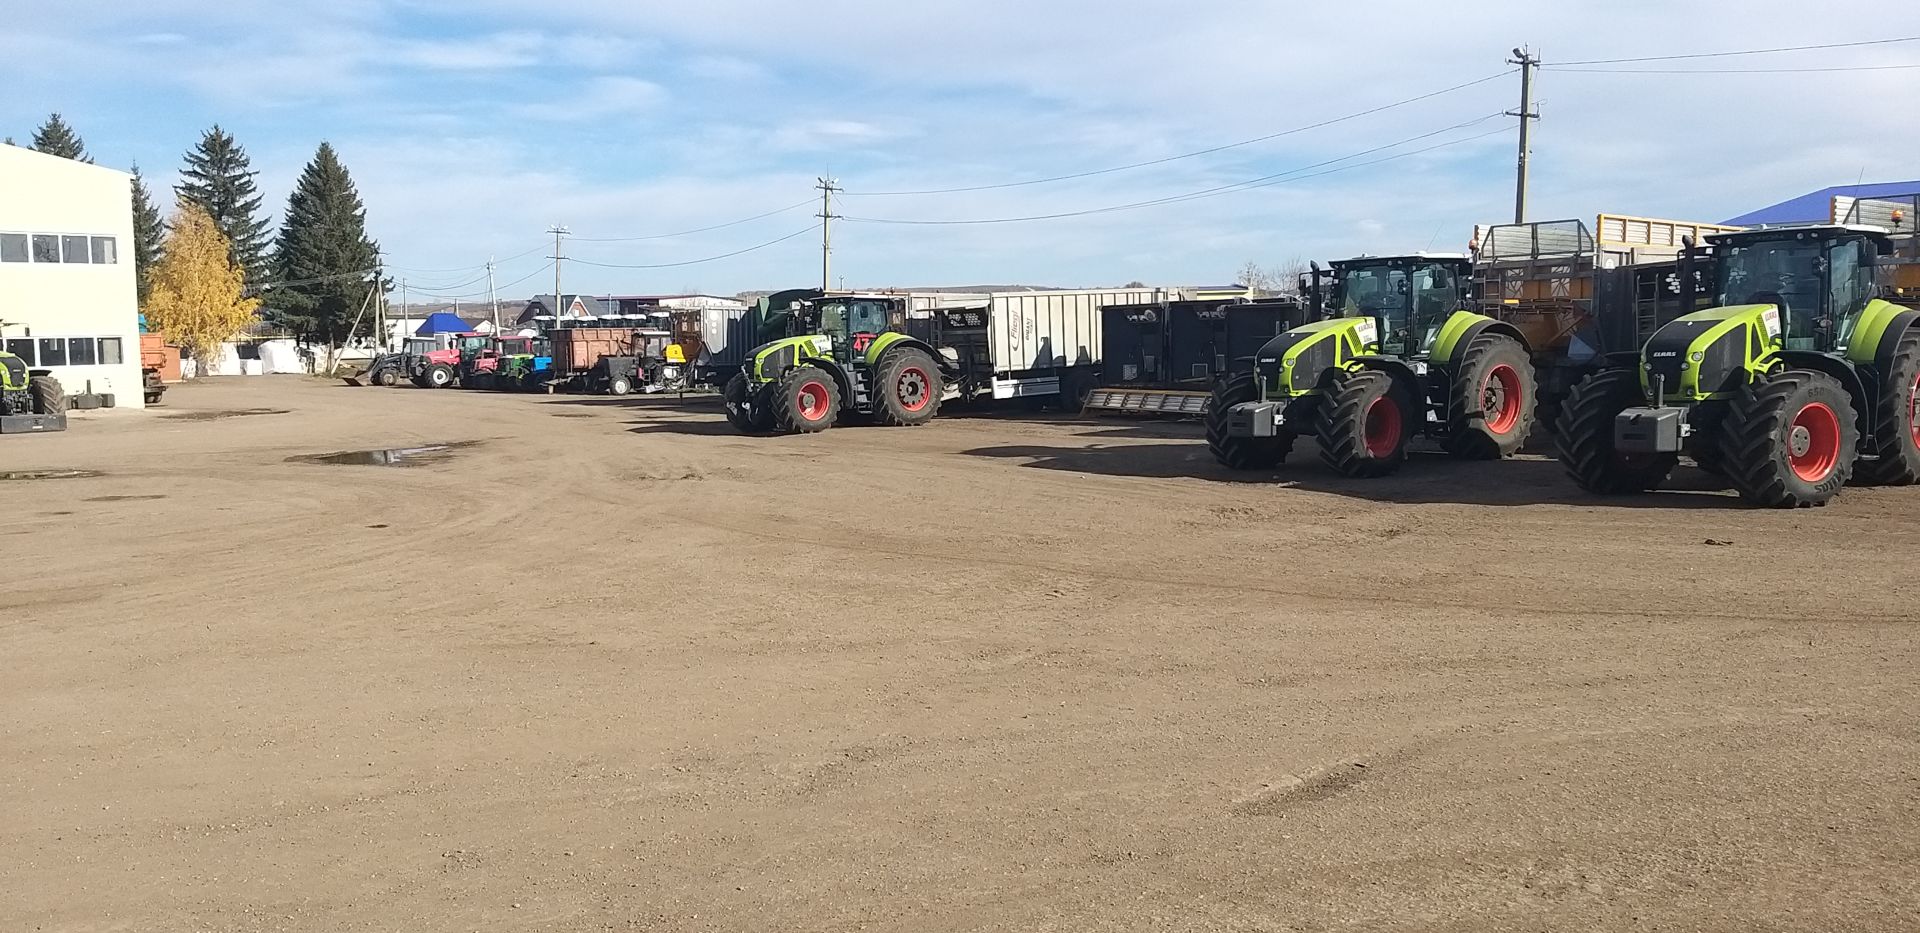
(469,268)
(1184,155)
(499,288)
(695,262)
(1791,48)
(1262,181)
(668,236)
(1726,71)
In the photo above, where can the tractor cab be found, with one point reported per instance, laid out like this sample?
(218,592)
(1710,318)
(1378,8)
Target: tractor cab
(1820,279)
(849,323)
(1409,298)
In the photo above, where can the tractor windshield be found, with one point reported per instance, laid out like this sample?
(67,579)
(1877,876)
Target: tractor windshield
(845,320)
(1819,284)
(1409,299)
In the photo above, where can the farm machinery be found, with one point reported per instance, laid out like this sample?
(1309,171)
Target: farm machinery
(511,363)
(1401,355)
(1804,377)
(30,400)
(842,356)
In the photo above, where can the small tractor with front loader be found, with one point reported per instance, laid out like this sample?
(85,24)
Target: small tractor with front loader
(843,356)
(1400,356)
(30,400)
(1804,378)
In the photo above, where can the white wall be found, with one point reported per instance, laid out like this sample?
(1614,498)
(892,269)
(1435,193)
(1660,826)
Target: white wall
(48,195)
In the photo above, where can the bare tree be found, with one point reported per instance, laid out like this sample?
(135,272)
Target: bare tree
(1259,281)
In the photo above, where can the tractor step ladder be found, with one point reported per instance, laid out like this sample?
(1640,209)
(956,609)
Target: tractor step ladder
(1149,401)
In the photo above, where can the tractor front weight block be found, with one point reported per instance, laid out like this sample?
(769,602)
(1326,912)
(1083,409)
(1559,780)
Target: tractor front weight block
(1649,430)
(1254,419)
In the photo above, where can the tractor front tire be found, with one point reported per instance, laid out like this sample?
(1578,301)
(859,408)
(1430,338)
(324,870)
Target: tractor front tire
(1493,400)
(1584,441)
(49,396)
(807,401)
(385,378)
(907,388)
(744,412)
(1364,424)
(620,385)
(1241,453)
(1896,436)
(1790,440)
(438,376)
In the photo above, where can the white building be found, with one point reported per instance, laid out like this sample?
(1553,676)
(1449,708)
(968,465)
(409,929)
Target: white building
(67,298)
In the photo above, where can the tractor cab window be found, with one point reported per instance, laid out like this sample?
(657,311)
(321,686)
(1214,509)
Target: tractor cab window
(1849,286)
(421,345)
(1787,274)
(1409,301)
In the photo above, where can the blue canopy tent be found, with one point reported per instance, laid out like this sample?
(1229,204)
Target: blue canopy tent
(442,323)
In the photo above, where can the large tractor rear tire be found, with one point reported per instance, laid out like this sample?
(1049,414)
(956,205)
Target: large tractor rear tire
(1493,399)
(807,401)
(1790,440)
(438,376)
(1896,435)
(1585,439)
(907,388)
(1241,453)
(49,396)
(1364,424)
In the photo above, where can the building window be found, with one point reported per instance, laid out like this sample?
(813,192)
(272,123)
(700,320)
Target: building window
(76,248)
(110,351)
(79,351)
(53,351)
(13,247)
(106,250)
(46,247)
(22,347)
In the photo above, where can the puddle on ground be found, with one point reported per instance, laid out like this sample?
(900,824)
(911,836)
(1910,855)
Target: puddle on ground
(393,456)
(121,498)
(49,474)
(217,415)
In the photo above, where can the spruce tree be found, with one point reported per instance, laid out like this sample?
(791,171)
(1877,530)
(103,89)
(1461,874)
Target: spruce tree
(149,232)
(55,137)
(219,180)
(324,255)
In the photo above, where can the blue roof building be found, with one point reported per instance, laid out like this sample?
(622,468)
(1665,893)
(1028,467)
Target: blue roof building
(1817,207)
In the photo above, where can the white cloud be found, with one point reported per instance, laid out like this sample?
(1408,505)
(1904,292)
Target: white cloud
(599,98)
(808,135)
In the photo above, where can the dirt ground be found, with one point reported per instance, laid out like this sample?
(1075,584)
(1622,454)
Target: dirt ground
(613,667)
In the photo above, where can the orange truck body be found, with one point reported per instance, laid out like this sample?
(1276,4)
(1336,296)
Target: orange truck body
(576,349)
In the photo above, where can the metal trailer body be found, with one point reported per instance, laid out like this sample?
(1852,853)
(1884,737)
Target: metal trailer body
(1576,296)
(1029,344)
(1163,358)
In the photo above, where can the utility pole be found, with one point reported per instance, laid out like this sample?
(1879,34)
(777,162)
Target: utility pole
(558,254)
(406,314)
(1527,61)
(385,341)
(493,297)
(827,187)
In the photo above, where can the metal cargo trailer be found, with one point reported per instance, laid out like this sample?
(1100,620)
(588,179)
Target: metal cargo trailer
(1133,345)
(577,349)
(1206,338)
(1031,344)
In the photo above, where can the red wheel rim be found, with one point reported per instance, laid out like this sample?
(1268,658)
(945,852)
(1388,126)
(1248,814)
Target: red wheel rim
(913,388)
(1382,430)
(813,401)
(1913,411)
(1500,399)
(1813,443)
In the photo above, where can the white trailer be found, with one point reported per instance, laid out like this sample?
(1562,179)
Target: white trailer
(1026,344)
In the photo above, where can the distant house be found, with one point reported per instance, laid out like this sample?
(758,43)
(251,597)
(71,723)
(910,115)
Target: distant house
(1816,207)
(540,309)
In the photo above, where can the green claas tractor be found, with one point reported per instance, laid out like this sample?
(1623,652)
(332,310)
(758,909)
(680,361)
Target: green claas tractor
(29,400)
(1804,378)
(843,355)
(1402,357)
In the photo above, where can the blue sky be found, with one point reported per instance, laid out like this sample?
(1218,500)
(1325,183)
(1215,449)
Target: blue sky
(472,126)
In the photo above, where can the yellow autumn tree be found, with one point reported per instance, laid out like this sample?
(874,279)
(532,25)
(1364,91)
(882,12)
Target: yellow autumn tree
(196,295)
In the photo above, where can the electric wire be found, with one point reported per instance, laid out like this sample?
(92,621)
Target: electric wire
(497,263)
(694,262)
(1260,182)
(411,291)
(1693,55)
(1725,71)
(1184,155)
